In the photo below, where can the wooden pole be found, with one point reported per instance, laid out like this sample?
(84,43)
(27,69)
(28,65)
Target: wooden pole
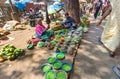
(47,16)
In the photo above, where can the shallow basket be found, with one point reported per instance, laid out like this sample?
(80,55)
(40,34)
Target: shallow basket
(61,71)
(41,68)
(70,65)
(60,58)
(50,76)
(57,66)
(52,61)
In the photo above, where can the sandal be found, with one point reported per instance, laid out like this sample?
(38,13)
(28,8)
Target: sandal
(112,54)
(99,39)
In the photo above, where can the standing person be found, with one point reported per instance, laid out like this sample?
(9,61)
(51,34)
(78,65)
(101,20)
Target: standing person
(111,33)
(107,10)
(90,8)
(98,5)
(32,17)
(39,14)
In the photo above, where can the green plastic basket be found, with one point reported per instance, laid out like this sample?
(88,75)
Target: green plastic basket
(30,46)
(57,64)
(45,68)
(51,59)
(66,67)
(50,74)
(60,56)
(61,75)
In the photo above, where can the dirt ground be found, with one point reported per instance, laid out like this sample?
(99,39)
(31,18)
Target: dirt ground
(92,60)
(27,66)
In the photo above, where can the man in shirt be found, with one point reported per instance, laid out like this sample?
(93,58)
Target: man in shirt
(69,22)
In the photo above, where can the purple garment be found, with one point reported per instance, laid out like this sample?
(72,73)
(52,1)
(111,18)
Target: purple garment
(39,30)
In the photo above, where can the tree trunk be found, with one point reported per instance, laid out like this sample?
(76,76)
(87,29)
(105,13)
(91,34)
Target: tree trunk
(13,13)
(72,7)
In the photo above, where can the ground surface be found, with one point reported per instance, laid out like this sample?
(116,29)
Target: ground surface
(92,60)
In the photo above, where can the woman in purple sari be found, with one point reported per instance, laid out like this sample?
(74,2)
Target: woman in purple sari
(40,28)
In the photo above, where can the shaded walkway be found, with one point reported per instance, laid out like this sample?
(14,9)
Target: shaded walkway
(92,60)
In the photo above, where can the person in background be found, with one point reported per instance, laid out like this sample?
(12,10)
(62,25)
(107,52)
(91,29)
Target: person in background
(90,8)
(104,4)
(39,28)
(111,34)
(97,5)
(32,17)
(80,12)
(107,10)
(69,22)
(39,14)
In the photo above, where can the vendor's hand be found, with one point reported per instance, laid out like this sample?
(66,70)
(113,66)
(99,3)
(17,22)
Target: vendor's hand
(48,28)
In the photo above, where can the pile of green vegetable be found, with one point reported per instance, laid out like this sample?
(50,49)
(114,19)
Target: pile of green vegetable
(47,35)
(85,21)
(10,52)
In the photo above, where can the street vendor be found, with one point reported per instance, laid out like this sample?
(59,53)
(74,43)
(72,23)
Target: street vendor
(69,22)
(40,28)
(42,32)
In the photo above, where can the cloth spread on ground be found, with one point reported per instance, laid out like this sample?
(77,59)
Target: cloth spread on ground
(2,42)
(47,35)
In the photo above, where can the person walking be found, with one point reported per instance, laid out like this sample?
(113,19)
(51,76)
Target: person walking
(97,5)
(106,11)
(111,33)
(32,17)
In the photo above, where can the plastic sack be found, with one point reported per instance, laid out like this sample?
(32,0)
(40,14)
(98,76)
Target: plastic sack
(7,27)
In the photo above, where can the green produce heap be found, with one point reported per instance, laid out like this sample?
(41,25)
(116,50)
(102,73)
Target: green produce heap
(10,52)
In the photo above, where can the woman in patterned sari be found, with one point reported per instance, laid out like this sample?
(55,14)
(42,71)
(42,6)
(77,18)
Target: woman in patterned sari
(111,34)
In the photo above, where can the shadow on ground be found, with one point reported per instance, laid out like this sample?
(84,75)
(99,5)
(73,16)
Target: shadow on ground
(92,60)
(25,67)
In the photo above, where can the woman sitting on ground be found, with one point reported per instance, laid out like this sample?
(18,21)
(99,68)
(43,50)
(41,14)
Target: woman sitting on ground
(69,22)
(40,28)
